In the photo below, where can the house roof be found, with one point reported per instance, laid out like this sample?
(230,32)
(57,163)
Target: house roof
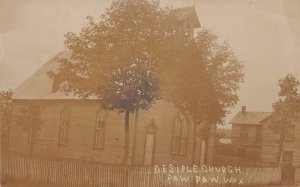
(39,85)
(249,118)
(184,13)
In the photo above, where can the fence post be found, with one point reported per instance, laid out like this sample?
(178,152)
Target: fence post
(288,174)
(126,175)
(1,124)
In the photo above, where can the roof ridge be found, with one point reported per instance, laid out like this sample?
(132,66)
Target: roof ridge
(183,8)
(23,87)
(253,118)
(255,112)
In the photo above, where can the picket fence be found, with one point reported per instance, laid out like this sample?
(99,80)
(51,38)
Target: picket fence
(68,173)
(297,176)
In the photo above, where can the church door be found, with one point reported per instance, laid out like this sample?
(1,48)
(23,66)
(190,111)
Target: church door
(149,149)
(149,145)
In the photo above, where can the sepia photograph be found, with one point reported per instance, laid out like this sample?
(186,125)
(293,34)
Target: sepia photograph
(150,93)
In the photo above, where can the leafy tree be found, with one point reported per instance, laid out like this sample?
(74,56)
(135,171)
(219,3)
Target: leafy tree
(202,77)
(285,110)
(115,59)
(30,120)
(5,115)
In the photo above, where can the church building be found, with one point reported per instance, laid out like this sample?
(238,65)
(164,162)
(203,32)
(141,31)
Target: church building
(76,128)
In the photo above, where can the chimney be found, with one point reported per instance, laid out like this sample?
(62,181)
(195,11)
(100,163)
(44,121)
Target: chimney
(243,109)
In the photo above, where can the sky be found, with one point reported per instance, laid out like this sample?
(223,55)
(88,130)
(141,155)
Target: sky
(264,34)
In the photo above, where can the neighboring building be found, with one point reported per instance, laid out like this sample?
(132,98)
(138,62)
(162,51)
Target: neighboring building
(223,132)
(77,128)
(291,146)
(255,144)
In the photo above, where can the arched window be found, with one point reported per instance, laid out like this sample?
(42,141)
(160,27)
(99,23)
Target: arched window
(188,29)
(180,135)
(64,127)
(100,130)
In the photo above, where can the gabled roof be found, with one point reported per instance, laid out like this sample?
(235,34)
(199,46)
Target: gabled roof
(39,85)
(185,13)
(249,118)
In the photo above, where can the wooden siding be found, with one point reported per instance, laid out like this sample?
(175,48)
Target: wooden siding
(236,139)
(81,133)
(251,145)
(82,130)
(163,114)
(270,145)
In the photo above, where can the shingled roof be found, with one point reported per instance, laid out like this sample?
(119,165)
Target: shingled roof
(39,85)
(185,13)
(249,118)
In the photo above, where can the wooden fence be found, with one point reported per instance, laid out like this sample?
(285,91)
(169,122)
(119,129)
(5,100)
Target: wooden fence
(297,176)
(86,174)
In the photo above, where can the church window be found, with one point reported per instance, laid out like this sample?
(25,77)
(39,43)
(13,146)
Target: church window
(64,127)
(180,135)
(100,130)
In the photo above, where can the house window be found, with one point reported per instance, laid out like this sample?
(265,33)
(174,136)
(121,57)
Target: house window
(64,127)
(287,158)
(258,134)
(100,130)
(188,30)
(289,134)
(180,135)
(244,134)
(173,30)
(241,152)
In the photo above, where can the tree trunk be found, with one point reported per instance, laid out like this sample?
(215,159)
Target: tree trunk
(280,148)
(126,147)
(134,137)
(202,151)
(205,134)
(206,139)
